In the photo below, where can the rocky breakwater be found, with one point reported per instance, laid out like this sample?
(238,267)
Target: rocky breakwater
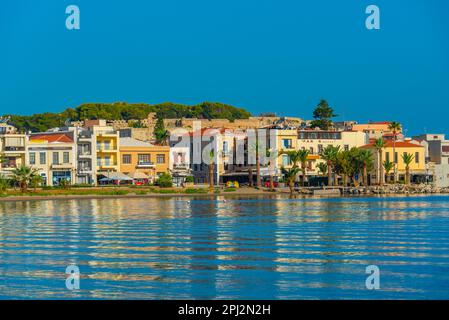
(401,189)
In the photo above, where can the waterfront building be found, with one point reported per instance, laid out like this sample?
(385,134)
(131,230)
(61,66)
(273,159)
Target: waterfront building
(105,145)
(179,161)
(316,140)
(438,155)
(12,149)
(53,155)
(393,152)
(376,130)
(143,161)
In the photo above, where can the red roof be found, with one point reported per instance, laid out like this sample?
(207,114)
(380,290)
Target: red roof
(59,137)
(399,144)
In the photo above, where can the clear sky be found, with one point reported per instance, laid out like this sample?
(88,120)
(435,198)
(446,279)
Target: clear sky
(278,56)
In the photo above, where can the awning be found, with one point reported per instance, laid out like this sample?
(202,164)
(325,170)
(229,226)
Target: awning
(115,176)
(138,175)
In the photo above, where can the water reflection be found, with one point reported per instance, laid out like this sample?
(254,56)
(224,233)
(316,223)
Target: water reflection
(178,248)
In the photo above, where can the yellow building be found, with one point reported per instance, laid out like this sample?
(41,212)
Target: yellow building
(374,130)
(314,141)
(393,152)
(142,160)
(105,145)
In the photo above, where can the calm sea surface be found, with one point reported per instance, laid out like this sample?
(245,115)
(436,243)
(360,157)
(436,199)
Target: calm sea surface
(179,248)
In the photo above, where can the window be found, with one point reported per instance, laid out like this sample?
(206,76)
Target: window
(287,143)
(32,158)
(387,156)
(346,147)
(55,157)
(285,160)
(320,148)
(311,150)
(107,145)
(65,157)
(99,161)
(144,158)
(225,147)
(416,157)
(395,157)
(160,158)
(107,160)
(42,158)
(126,159)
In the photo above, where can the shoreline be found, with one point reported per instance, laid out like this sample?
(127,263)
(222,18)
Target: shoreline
(247,193)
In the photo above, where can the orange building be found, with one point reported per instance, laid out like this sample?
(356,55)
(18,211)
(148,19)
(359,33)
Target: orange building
(142,160)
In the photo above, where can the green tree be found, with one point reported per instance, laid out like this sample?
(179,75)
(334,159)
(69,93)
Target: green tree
(388,166)
(23,176)
(380,144)
(4,183)
(395,128)
(36,181)
(329,154)
(165,180)
(323,115)
(303,155)
(290,177)
(322,168)
(407,158)
(366,158)
(160,133)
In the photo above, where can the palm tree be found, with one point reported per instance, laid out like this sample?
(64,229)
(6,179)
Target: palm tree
(388,166)
(379,145)
(322,168)
(329,154)
(211,168)
(23,176)
(407,158)
(302,156)
(290,177)
(271,165)
(366,158)
(36,180)
(395,128)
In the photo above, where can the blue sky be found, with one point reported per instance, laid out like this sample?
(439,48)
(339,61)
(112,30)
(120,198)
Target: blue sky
(264,55)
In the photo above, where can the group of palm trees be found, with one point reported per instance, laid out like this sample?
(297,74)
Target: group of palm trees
(351,164)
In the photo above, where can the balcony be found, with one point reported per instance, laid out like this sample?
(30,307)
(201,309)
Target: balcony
(84,153)
(84,170)
(106,150)
(180,166)
(145,164)
(61,166)
(18,150)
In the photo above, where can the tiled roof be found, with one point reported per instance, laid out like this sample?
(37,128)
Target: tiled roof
(52,138)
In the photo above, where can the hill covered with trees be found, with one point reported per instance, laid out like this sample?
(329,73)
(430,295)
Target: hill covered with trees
(127,111)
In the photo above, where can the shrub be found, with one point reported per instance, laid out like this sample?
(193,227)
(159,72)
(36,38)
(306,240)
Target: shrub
(190,179)
(165,181)
(230,190)
(193,191)
(4,184)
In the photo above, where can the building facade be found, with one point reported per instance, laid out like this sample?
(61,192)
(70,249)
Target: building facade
(143,161)
(12,150)
(53,156)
